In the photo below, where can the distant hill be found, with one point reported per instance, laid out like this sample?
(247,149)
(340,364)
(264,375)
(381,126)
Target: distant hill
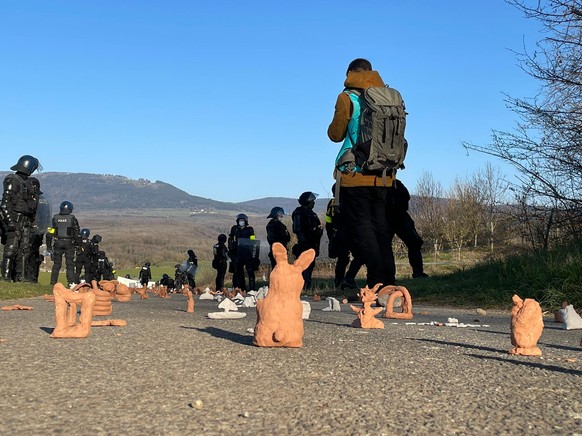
(110,192)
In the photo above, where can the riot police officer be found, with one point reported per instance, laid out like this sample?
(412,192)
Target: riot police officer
(42,221)
(18,210)
(62,238)
(307,227)
(220,260)
(241,252)
(84,256)
(95,241)
(277,231)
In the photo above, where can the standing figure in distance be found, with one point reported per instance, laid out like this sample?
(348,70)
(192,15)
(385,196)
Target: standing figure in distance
(61,239)
(191,267)
(180,278)
(307,227)
(42,221)
(84,256)
(145,275)
(95,241)
(240,252)
(220,260)
(18,210)
(277,232)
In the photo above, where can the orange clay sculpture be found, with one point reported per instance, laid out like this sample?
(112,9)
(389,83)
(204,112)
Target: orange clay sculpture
(16,307)
(527,325)
(280,313)
(366,315)
(188,293)
(143,293)
(395,292)
(109,322)
(66,312)
(122,293)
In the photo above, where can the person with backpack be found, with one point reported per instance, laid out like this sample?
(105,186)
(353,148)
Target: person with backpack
(307,227)
(402,225)
(62,239)
(373,148)
(220,260)
(277,232)
(145,275)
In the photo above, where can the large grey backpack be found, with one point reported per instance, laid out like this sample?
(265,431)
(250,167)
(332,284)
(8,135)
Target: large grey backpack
(381,146)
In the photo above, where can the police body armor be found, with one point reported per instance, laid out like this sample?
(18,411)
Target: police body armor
(63,225)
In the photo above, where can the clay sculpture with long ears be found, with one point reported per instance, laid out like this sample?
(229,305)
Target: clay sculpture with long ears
(366,315)
(280,313)
(527,324)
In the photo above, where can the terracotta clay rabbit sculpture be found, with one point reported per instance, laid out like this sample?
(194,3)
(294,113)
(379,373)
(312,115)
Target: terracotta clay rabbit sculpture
(527,325)
(280,313)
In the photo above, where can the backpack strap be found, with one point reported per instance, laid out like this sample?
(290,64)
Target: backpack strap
(336,192)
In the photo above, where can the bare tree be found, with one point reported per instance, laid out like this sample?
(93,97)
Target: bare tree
(546,146)
(427,209)
(493,189)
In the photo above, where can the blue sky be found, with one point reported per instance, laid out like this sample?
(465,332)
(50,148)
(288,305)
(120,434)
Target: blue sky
(231,100)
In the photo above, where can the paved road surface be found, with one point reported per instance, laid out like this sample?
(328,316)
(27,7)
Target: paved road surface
(170,372)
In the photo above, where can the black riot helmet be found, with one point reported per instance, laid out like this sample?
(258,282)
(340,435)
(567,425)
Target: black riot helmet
(66,207)
(222,238)
(96,239)
(85,233)
(276,212)
(27,164)
(307,198)
(242,217)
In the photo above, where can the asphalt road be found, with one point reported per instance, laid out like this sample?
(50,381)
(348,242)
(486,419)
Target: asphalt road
(170,372)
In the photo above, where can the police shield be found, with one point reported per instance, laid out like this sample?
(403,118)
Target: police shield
(248,249)
(43,218)
(189,268)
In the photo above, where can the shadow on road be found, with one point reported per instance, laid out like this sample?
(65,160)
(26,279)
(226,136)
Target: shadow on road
(530,364)
(224,334)
(459,344)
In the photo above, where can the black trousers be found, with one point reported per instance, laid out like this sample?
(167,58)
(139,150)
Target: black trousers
(363,214)
(63,247)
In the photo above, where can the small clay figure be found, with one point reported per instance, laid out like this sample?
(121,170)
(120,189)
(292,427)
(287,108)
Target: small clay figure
(16,307)
(280,313)
(65,315)
(122,293)
(393,293)
(527,325)
(366,315)
(188,293)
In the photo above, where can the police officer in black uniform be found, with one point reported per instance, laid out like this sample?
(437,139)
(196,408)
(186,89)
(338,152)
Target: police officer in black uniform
(62,238)
(220,260)
(95,241)
(18,210)
(307,227)
(402,225)
(277,231)
(42,221)
(84,256)
(241,259)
